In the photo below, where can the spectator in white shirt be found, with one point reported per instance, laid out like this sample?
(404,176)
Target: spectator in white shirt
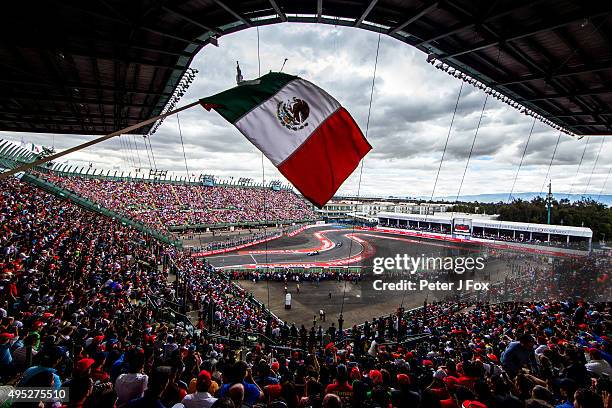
(598,365)
(201,398)
(133,384)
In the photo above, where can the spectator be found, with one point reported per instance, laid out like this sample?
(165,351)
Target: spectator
(201,398)
(518,354)
(152,396)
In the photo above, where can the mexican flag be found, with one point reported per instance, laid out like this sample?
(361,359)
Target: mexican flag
(312,140)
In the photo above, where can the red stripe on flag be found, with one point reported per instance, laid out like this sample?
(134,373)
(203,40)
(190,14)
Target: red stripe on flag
(321,164)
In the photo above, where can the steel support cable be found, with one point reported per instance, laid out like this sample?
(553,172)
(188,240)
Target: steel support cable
(603,139)
(484,105)
(144,140)
(137,152)
(131,151)
(467,164)
(152,154)
(604,184)
(361,169)
(125,151)
(128,150)
(178,121)
(450,128)
(551,162)
(121,151)
(579,166)
(518,170)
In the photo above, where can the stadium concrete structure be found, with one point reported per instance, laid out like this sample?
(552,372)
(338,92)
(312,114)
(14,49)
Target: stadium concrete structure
(68,68)
(343,209)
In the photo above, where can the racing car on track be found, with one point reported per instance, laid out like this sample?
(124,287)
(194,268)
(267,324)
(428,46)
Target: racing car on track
(313,253)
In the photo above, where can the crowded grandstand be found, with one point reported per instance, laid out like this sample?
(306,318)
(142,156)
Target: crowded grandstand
(83,300)
(154,287)
(165,205)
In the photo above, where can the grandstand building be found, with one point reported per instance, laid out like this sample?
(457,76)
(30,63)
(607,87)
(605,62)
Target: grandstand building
(482,227)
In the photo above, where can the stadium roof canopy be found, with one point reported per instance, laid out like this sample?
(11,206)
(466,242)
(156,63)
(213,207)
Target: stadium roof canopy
(96,66)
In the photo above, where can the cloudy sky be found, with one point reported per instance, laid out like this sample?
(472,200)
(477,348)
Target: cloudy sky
(412,109)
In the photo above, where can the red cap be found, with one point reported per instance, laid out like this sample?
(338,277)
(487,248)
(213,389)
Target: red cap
(355,373)
(595,353)
(204,376)
(376,376)
(403,379)
(428,363)
(7,336)
(473,404)
(275,365)
(84,364)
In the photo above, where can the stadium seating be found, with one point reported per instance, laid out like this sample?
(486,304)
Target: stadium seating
(76,313)
(164,205)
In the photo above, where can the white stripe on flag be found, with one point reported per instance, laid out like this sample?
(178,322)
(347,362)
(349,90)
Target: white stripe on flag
(264,129)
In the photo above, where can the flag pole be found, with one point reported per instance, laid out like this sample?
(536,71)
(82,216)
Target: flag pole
(128,129)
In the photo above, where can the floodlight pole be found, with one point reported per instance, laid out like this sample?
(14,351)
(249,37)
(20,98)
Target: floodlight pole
(128,129)
(549,199)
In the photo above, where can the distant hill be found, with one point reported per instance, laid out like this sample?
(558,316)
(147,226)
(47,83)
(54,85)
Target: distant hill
(484,198)
(496,197)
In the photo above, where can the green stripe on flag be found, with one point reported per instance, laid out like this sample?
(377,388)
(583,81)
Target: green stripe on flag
(238,101)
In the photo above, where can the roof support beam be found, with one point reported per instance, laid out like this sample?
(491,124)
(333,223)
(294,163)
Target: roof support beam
(415,16)
(96,71)
(530,31)
(233,13)
(607,125)
(516,53)
(57,115)
(465,26)
(367,11)
(60,122)
(278,10)
(190,20)
(130,60)
(319,10)
(593,92)
(573,95)
(592,67)
(600,113)
(456,29)
(172,36)
(68,98)
(51,45)
(65,99)
(80,86)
